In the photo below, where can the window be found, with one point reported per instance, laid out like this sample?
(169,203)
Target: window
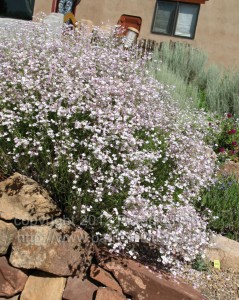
(175,18)
(20,9)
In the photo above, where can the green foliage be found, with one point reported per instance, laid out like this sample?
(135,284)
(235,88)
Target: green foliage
(186,95)
(227,140)
(185,68)
(192,85)
(201,264)
(222,200)
(184,60)
(222,90)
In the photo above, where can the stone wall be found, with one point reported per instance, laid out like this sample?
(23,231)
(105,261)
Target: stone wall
(43,256)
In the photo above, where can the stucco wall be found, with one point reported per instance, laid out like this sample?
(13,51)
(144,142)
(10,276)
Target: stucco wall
(217,30)
(42,6)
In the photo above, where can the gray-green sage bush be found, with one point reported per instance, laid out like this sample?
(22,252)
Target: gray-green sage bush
(184,60)
(210,87)
(79,113)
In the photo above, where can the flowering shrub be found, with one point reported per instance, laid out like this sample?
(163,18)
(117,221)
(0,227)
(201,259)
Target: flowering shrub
(80,115)
(227,139)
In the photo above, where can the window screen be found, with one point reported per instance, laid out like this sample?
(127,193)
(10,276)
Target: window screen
(165,14)
(187,18)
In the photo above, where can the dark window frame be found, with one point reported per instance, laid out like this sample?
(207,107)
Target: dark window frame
(175,19)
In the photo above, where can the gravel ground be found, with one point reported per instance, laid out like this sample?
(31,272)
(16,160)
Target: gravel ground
(214,284)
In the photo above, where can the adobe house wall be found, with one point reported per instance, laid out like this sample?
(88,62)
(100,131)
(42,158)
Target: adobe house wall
(42,6)
(217,30)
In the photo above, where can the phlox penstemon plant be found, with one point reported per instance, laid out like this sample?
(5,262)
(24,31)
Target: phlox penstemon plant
(80,114)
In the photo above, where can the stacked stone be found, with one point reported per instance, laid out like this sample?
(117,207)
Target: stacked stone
(44,257)
(38,249)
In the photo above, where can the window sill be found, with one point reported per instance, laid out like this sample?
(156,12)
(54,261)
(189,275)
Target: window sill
(174,36)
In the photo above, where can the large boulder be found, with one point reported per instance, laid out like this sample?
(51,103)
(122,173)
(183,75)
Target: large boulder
(108,294)
(12,280)
(224,250)
(99,274)
(44,287)
(58,248)
(7,233)
(24,199)
(16,297)
(142,284)
(79,289)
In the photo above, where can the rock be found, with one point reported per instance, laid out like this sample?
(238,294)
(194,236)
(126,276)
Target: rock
(7,233)
(44,287)
(47,248)
(142,284)
(108,294)
(12,280)
(22,198)
(225,250)
(104,277)
(78,289)
(2,175)
(12,298)
(63,226)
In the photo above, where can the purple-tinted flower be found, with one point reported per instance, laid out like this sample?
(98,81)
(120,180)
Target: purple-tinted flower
(229,115)
(222,150)
(234,143)
(232,131)
(106,124)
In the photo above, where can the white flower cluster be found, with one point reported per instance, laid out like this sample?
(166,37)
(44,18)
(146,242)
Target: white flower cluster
(81,112)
